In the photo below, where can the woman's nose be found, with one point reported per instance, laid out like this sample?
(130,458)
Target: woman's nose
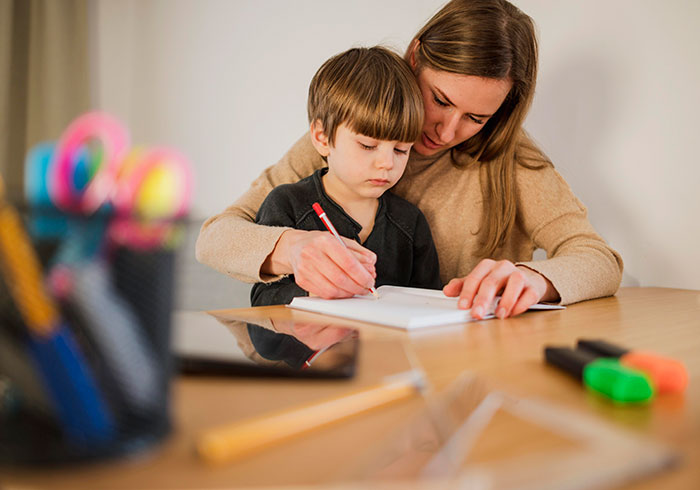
(447,128)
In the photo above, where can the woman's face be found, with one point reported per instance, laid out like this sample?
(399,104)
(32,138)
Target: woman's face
(456,107)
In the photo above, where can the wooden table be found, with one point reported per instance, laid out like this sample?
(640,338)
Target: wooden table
(508,353)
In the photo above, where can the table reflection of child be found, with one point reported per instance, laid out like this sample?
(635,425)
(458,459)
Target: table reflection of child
(301,344)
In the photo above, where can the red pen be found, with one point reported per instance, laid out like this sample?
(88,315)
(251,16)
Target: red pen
(326,221)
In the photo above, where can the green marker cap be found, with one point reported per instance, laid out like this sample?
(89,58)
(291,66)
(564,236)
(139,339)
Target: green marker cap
(621,384)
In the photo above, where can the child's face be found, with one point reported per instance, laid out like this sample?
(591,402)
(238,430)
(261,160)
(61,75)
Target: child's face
(365,167)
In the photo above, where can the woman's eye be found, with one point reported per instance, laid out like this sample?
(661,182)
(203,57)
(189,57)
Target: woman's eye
(439,101)
(476,120)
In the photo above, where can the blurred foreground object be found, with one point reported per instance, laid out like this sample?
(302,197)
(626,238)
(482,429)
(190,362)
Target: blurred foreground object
(104,222)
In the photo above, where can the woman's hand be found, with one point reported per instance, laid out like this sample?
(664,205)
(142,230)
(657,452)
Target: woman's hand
(321,265)
(518,286)
(314,336)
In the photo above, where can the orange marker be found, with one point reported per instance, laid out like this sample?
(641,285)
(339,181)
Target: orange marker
(668,375)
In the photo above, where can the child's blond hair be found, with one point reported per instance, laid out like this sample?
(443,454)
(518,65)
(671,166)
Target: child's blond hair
(372,91)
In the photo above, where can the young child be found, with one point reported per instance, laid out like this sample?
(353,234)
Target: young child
(365,111)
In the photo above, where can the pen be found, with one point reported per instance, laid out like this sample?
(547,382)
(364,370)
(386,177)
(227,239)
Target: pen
(313,357)
(225,444)
(326,221)
(669,375)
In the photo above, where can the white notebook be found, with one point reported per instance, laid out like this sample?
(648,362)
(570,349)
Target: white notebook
(402,307)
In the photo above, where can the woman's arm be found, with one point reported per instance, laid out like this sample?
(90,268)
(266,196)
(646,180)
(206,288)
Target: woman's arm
(579,264)
(233,244)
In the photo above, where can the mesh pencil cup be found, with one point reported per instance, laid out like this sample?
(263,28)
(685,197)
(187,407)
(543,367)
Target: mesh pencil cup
(85,314)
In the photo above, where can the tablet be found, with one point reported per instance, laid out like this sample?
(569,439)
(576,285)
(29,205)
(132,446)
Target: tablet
(204,345)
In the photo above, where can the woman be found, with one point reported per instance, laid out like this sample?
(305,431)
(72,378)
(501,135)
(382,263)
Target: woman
(490,196)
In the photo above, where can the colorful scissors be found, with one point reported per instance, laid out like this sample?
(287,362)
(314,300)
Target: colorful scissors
(92,168)
(82,135)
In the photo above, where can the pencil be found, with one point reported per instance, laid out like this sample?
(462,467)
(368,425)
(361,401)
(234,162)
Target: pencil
(327,222)
(228,443)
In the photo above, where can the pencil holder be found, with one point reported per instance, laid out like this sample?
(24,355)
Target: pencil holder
(85,362)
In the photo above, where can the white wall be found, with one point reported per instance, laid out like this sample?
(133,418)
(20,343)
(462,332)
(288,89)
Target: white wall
(616,107)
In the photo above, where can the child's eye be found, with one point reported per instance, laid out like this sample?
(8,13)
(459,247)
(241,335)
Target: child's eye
(439,101)
(402,152)
(367,147)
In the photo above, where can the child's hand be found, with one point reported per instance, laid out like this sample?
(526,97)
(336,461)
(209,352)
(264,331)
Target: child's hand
(519,288)
(323,267)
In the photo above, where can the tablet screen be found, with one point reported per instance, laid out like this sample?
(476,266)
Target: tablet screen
(206,345)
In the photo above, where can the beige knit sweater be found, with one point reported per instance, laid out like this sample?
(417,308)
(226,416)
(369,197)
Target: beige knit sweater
(579,263)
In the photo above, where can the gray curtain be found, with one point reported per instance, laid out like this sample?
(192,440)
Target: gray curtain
(44,77)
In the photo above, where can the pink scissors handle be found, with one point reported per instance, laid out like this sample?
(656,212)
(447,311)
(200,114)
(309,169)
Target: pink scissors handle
(114,139)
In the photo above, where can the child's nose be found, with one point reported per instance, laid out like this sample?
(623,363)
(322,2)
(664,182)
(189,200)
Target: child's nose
(385,160)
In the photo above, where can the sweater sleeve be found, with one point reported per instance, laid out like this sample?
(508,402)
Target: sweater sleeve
(579,264)
(231,242)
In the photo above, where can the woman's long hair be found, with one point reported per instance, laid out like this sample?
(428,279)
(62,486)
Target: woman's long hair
(489,39)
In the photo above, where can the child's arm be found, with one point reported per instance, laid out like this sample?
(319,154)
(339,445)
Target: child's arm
(276,211)
(426,269)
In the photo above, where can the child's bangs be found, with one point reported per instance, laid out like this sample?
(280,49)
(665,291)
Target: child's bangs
(370,90)
(391,114)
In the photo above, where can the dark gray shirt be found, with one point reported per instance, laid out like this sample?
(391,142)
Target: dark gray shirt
(401,238)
